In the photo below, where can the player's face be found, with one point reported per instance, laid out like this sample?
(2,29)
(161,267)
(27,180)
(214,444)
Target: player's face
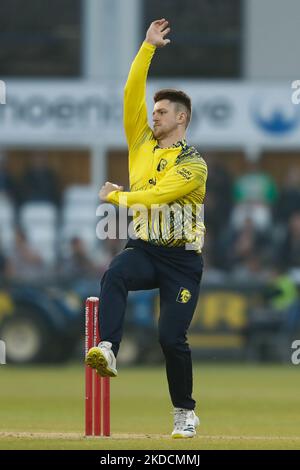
(165,118)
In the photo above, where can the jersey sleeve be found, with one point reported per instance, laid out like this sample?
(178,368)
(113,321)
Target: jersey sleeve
(135,108)
(179,181)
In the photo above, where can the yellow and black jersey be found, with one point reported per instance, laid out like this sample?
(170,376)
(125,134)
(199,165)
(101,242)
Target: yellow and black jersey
(168,182)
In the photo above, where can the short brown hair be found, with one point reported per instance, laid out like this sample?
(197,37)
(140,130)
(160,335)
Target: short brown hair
(176,96)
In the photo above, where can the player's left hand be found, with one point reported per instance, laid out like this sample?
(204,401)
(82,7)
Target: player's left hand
(108,188)
(156,33)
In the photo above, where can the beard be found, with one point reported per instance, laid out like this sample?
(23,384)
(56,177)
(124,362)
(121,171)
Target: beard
(157,132)
(160,132)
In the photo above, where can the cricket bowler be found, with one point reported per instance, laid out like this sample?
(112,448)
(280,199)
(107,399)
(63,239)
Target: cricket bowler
(167,176)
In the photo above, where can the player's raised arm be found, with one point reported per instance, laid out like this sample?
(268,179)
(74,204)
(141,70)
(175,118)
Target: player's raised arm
(135,109)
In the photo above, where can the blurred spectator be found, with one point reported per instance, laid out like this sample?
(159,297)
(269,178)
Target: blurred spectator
(211,272)
(252,270)
(239,245)
(281,291)
(289,200)
(7,184)
(3,264)
(271,328)
(85,272)
(78,264)
(255,186)
(289,249)
(112,247)
(218,200)
(107,250)
(254,193)
(24,262)
(40,182)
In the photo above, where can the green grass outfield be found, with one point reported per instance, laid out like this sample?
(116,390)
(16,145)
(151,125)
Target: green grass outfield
(240,407)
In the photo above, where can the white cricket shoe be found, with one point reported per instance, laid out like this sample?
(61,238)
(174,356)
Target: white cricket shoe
(185,422)
(102,359)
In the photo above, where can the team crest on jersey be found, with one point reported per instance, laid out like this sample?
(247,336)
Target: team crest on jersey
(183,296)
(162,164)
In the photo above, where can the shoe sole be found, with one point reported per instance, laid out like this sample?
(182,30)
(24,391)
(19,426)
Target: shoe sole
(96,360)
(180,436)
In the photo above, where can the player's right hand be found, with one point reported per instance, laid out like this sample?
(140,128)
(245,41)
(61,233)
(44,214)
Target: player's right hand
(157,32)
(108,188)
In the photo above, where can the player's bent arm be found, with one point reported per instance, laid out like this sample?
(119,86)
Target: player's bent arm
(178,182)
(135,109)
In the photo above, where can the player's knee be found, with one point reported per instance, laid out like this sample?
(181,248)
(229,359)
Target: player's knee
(168,343)
(114,273)
(172,344)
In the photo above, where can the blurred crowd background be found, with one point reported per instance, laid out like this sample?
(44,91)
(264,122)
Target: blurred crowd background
(60,140)
(252,223)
